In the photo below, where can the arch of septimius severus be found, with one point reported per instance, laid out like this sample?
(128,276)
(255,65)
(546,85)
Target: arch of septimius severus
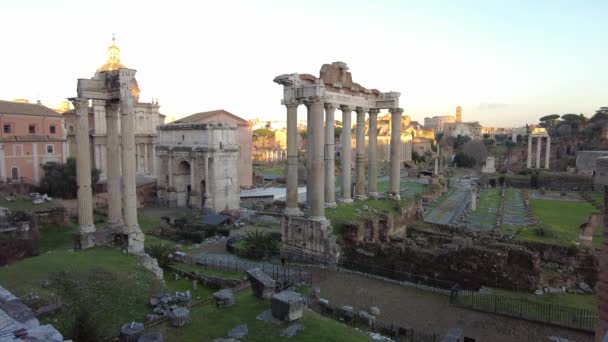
(118,90)
(310,236)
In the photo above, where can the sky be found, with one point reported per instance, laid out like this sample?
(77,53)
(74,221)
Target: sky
(506,63)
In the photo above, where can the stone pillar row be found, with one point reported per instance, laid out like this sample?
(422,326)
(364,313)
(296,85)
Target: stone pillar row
(320,156)
(539,141)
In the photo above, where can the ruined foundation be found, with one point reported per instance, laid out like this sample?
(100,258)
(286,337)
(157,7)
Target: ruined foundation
(307,240)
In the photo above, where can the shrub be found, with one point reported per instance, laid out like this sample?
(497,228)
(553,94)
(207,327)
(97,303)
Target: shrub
(161,253)
(258,245)
(60,179)
(85,328)
(463,160)
(544,230)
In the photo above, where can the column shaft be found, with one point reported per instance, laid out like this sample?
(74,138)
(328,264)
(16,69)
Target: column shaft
(316,143)
(83,167)
(539,142)
(395,163)
(113,166)
(330,152)
(548,152)
(346,156)
(291,207)
(372,185)
(529,160)
(360,154)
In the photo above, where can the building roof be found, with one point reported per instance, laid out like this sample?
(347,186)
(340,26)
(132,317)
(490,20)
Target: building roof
(21,108)
(215,219)
(197,117)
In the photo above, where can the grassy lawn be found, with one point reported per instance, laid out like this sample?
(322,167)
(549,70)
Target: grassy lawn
(564,218)
(226,274)
(22,204)
(185,284)
(274,169)
(112,285)
(484,217)
(344,213)
(209,323)
(57,237)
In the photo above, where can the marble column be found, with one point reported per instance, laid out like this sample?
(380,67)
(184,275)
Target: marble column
(473,199)
(360,154)
(330,152)
(548,152)
(436,170)
(346,156)
(127,124)
(83,173)
(113,166)
(372,185)
(395,163)
(539,142)
(146,159)
(315,179)
(291,207)
(529,160)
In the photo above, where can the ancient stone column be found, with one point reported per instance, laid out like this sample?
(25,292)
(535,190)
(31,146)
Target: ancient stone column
(529,160)
(360,154)
(548,152)
(127,125)
(372,185)
(539,142)
(113,166)
(291,207)
(83,173)
(473,199)
(408,150)
(330,152)
(436,170)
(346,159)
(395,163)
(315,168)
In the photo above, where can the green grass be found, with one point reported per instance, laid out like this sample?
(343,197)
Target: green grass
(22,204)
(226,274)
(57,237)
(564,218)
(276,169)
(113,285)
(185,284)
(209,322)
(344,213)
(484,217)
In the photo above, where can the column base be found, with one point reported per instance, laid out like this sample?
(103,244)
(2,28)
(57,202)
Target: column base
(393,195)
(345,200)
(373,194)
(135,240)
(84,241)
(293,212)
(318,218)
(115,226)
(360,197)
(86,228)
(330,204)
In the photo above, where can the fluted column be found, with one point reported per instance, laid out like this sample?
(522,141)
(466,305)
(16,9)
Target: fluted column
(529,160)
(330,152)
(291,207)
(113,166)
(548,152)
(83,169)
(315,168)
(360,154)
(346,156)
(539,142)
(372,185)
(395,163)
(127,125)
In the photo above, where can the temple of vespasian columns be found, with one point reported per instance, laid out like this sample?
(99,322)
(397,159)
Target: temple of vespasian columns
(119,90)
(310,236)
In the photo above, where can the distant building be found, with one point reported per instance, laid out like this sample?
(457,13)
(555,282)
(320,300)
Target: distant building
(436,123)
(244,136)
(31,135)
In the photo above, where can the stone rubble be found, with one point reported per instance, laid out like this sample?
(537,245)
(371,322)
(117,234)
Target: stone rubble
(262,285)
(224,298)
(292,330)
(239,331)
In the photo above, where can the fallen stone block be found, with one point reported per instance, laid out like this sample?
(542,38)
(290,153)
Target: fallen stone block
(262,285)
(292,330)
(287,306)
(224,298)
(239,332)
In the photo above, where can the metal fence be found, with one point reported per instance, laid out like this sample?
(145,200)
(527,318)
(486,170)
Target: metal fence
(519,307)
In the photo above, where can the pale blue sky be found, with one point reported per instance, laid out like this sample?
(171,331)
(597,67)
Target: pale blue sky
(505,62)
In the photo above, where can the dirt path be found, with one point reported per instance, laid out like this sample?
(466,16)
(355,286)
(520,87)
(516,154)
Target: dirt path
(430,312)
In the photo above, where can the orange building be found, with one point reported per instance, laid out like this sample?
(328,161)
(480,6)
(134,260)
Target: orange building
(31,135)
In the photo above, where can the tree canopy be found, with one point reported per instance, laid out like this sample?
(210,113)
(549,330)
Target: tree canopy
(60,179)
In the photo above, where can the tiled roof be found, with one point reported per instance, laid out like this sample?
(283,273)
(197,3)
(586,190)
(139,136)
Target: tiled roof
(203,115)
(9,107)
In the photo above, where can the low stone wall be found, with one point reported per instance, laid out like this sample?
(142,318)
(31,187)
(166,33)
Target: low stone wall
(53,216)
(208,281)
(562,181)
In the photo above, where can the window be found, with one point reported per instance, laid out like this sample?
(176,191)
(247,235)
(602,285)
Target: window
(49,149)
(15,173)
(52,129)
(71,129)
(7,128)
(32,129)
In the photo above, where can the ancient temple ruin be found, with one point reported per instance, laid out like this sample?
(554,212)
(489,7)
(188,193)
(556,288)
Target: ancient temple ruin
(119,90)
(538,134)
(310,236)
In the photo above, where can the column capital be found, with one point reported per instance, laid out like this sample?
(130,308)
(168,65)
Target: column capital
(312,100)
(373,111)
(79,103)
(396,111)
(292,104)
(330,106)
(345,108)
(360,110)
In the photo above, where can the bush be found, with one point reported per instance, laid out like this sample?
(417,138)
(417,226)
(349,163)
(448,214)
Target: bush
(258,245)
(463,160)
(544,231)
(60,179)
(161,253)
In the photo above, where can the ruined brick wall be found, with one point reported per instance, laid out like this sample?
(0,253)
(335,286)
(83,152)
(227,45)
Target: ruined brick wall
(602,287)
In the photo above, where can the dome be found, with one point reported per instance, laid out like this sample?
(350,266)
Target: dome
(113,62)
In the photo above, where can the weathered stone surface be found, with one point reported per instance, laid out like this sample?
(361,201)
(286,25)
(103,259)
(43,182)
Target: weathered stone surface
(347,313)
(131,332)
(224,298)
(262,285)
(266,316)
(180,317)
(324,302)
(366,318)
(559,339)
(151,337)
(239,331)
(292,330)
(453,335)
(287,306)
(374,310)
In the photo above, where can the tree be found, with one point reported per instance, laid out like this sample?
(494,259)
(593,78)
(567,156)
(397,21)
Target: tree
(549,120)
(264,132)
(60,179)
(463,160)
(476,150)
(461,140)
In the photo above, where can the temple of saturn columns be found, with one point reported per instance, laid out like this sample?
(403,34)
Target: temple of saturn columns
(538,134)
(310,236)
(119,90)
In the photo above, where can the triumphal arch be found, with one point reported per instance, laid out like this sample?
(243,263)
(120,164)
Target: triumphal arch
(119,91)
(309,236)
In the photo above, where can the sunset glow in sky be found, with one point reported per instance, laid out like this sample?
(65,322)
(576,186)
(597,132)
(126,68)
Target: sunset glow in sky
(505,62)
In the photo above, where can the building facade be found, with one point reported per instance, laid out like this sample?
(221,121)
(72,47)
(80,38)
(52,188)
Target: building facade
(244,137)
(31,135)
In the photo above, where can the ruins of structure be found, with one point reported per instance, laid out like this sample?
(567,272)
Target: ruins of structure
(538,133)
(601,330)
(118,89)
(198,166)
(311,236)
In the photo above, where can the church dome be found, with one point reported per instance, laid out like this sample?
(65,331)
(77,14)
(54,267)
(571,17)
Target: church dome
(113,62)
